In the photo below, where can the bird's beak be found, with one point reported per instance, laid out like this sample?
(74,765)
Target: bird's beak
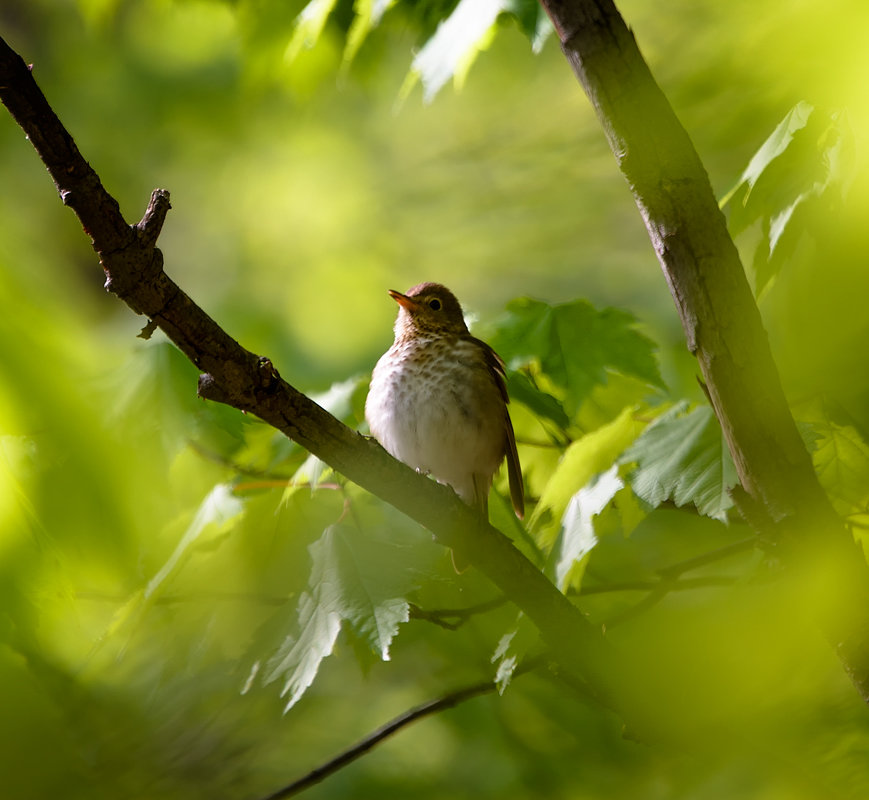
(403,300)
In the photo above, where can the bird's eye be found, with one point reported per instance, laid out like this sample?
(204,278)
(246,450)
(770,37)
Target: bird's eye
(434,305)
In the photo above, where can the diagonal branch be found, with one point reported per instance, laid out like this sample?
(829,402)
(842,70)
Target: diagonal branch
(453,618)
(233,375)
(721,321)
(359,749)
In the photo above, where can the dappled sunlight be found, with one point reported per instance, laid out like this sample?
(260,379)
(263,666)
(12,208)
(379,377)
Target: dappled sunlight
(169,566)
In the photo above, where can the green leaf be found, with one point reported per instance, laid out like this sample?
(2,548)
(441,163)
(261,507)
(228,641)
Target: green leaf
(300,657)
(803,168)
(522,389)
(575,345)
(841,459)
(810,435)
(779,141)
(338,400)
(454,46)
(355,578)
(684,457)
(217,511)
(663,538)
(608,400)
(533,21)
(309,27)
(577,525)
(368,16)
(511,649)
(154,395)
(593,454)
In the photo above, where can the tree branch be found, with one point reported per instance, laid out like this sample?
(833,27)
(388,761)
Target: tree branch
(721,321)
(453,618)
(359,749)
(669,580)
(237,377)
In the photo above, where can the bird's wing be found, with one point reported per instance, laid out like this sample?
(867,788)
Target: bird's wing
(514,470)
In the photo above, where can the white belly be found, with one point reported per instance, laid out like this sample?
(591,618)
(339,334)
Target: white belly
(446,421)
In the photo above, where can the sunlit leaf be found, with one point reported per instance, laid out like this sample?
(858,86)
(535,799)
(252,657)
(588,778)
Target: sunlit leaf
(216,513)
(338,400)
(684,458)
(309,27)
(512,649)
(591,455)
(607,400)
(355,578)
(577,525)
(368,14)
(575,345)
(523,390)
(154,394)
(454,46)
(533,21)
(809,157)
(841,459)
(219,509)
(301,655)
(312,472)
(779,140)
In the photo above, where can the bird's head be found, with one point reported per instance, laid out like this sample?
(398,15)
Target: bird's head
(428,308)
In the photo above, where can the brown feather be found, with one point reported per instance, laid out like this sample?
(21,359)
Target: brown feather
(514,472)
(514,469)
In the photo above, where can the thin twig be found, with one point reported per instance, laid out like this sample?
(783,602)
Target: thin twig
(649,601)
(669,580)
(454,618)
(412,715)
(241,469)
(670,576)
(704,559)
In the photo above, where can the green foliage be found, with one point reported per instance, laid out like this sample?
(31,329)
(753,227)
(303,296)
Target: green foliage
(578,535)
(806,163)
(217,513)
(163,558)
(574,345)
(360,575)
(365,567)
(454,34)
(454,46)
(841,458)
(583,460)
(684,458)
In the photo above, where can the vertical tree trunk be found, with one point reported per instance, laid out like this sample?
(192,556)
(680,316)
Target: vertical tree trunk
(780,495)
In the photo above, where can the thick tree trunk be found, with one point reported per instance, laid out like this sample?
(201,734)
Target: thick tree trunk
(780,495)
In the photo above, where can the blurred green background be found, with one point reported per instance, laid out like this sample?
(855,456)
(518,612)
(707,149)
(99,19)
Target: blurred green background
(302,191)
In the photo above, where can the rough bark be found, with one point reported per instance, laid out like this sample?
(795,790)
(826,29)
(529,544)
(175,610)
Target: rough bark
(780,493)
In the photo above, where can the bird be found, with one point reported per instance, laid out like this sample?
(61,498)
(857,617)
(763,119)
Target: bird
(438,399)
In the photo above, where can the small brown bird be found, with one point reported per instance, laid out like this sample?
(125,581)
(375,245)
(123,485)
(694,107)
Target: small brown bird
(438,399)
